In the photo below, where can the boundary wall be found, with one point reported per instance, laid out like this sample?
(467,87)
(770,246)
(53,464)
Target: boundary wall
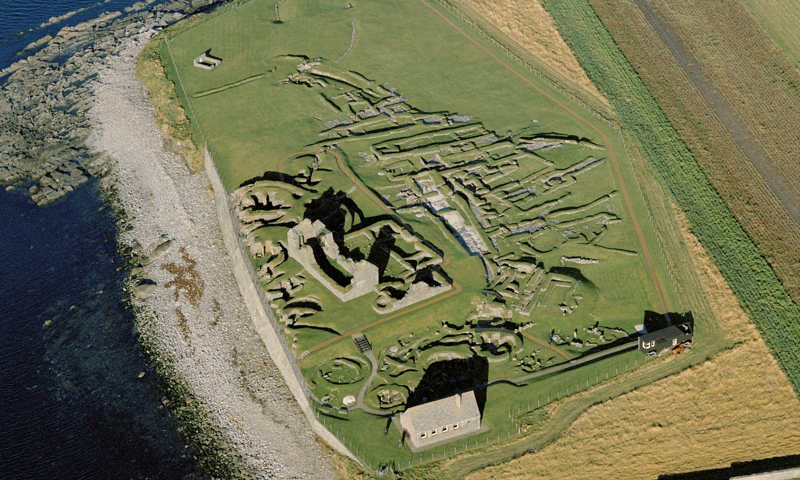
(260,313)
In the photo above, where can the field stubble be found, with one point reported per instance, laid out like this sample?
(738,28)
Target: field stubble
(780,19)
(748,67)
(763,101)
(745,268)
(567,411)
(533,29)
(707,416)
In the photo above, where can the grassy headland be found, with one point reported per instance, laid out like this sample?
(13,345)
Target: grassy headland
(179,135)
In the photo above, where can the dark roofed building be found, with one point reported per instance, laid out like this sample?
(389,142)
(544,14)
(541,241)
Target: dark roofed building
(664,340)
(442,420)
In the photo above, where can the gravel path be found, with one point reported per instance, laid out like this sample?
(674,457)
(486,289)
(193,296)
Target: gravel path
(196,311)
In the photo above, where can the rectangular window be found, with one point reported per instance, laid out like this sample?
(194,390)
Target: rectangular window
(455,426)
(422,435)
(435,431)
(444,429)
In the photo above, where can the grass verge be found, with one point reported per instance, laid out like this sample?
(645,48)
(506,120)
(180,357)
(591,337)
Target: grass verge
(738,402)
(179,136)
(752,280)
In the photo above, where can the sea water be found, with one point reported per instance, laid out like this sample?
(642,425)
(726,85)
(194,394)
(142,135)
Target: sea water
(72,405)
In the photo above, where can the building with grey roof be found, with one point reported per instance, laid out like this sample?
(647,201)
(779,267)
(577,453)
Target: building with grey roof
(663,340)
(442,420)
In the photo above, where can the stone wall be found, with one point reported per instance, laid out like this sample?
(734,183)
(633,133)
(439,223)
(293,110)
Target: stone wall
(263,319)
(364,274)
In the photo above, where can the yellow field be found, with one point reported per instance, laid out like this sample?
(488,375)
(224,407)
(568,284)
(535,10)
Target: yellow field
(780,18)
(736,407)
(529,24)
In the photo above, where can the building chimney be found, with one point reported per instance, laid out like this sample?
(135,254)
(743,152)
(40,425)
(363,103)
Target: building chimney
(458,400)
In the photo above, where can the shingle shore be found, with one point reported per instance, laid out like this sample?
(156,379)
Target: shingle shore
(190,305)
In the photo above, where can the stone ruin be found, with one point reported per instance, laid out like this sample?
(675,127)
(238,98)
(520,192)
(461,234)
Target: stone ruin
(207,62)
(364,275)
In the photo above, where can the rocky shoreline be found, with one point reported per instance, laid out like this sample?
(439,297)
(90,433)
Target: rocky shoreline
(75,109)
(45,97)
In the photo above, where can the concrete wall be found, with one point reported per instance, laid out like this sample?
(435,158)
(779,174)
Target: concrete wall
(260,313)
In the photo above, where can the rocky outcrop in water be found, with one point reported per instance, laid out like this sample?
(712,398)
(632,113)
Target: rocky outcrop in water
(44,128)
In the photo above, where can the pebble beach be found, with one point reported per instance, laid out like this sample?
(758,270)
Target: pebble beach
(73,109)
(187,301)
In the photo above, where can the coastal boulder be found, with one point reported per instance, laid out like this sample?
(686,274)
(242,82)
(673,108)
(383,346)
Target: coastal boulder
(144,289)
(157,252)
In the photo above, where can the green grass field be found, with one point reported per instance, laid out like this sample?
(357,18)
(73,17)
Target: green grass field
(264,113)
(261,121)
(780,19)
(741,263)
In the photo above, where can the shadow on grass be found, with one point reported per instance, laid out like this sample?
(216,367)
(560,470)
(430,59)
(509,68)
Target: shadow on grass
(449,377)
(656,321)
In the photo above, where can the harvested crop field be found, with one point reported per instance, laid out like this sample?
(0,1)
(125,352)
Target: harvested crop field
(690,166)
(750,70)
(743,94)
(730,100)
(780,19)
(737,407)
(533,29)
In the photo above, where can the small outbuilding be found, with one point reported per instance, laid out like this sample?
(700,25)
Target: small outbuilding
(206,61)
(664,340)
(442,420)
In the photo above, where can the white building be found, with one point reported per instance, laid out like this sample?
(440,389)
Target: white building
(442,420)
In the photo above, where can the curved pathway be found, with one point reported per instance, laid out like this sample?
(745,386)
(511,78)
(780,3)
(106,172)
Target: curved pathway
(542,343)
(369,382)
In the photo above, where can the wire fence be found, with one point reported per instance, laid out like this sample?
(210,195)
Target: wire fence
(527,60)
(505,420)
(518,57)
(334,419)
(231,209)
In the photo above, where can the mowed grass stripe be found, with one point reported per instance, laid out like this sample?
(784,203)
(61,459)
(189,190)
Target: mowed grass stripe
(740,262)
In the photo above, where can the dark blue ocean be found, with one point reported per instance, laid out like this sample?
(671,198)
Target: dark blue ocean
(71,403)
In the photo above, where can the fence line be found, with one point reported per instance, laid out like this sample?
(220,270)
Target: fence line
(231,209)
(512,424)
(586,107)
(480,440)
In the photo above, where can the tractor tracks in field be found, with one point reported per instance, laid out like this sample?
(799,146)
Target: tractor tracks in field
(739,132)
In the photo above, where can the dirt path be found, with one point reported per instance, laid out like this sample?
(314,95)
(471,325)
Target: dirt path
(572,363)
(734,123)
(544,344)
(612,156)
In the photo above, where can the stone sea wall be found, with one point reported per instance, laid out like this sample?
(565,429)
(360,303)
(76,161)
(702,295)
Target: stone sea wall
(75,109)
